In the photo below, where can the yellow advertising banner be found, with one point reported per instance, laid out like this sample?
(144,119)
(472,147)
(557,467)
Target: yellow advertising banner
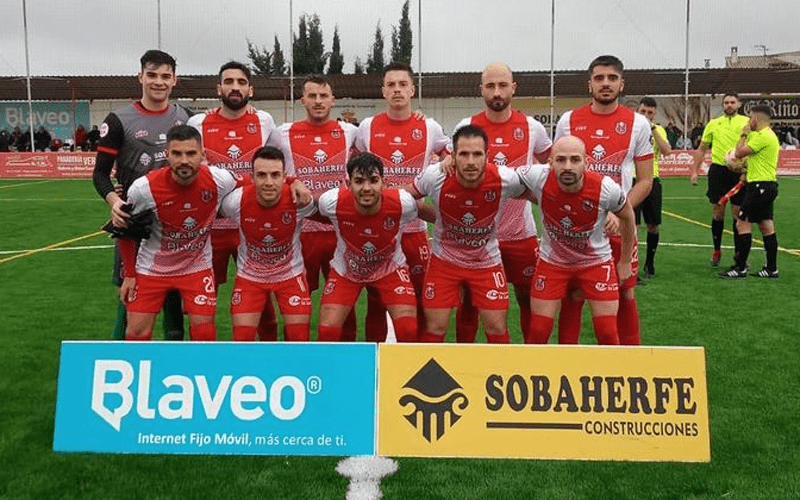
(549,402)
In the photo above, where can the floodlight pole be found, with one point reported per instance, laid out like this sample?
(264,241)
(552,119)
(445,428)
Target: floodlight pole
(419,50)
(552,66)
(159,24)
(28,73)
(291,59)
(686,83)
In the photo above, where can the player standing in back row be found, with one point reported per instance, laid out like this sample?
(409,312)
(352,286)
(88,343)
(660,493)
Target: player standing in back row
(617,143)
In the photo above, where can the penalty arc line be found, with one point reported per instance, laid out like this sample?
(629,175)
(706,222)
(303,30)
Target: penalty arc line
(50,247)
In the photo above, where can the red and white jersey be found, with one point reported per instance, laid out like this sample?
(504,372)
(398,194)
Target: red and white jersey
(179,241)
(518,141)
(614,142)
(269,237)
(465,232)
(404,147)
(367,246)
(574,223)
(319,154)
(231,144)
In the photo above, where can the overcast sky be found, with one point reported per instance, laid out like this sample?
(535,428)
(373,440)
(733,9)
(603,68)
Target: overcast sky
(86,37)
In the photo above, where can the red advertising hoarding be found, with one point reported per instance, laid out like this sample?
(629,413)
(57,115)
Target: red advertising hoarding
(47,165)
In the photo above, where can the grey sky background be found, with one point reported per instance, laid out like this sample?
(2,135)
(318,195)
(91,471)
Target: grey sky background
(88,37)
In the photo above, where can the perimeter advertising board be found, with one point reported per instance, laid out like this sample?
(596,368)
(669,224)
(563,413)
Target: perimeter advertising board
(60,118)
(550,402)
(216,398)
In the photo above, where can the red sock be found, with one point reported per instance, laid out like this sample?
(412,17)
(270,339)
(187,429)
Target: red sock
(295,332)
(329,333)
(569,321)
(430,338)
(203,331)
(498,338)
(405,328)
(539,329)
(524,301)
(243,333)
(268,325)
(467,320)
(350,328)
(628,322)
(147,336)
(605,329)
(375,321)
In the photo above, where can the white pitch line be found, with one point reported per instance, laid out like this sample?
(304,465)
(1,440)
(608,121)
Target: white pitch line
(51,199)
(26,184)
(90,247)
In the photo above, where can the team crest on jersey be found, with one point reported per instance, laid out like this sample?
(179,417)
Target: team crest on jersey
(368,248)
(145,159)
(416,134)
(539,283)
(566,222)
(330,286)
(251,128)
(141,133)
(234,152)
(528,271)
(104,129)
(320,156)
(388,223)
(286,218)
(236,297)
(336,133)
(500,159)
(430,291)
(621,128)
(587,205)
(489,196)
(206,195)
(468,219)
(398,157)
(189,223)
(518,134)
(268,240)
(598,152)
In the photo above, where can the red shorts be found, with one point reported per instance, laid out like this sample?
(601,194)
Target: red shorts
(394,289)
(418,255)
(318,249)
(519,260)
(444,281)
(197,291)
(224,247)
(250,296)
(598,282)
(616,253)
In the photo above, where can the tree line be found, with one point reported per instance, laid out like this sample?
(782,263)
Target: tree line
(310,56)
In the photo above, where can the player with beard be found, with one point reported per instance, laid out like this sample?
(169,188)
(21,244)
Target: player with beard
(575,248)
(514,140)
(134,139)
(617,142)
(721,135)
(320,148)
(232,133)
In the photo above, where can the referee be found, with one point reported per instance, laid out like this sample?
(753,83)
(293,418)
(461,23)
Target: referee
(760,145)
(721,135)
(650,208)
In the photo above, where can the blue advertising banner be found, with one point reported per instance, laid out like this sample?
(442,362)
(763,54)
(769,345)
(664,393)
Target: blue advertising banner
(216,398)
(60,118)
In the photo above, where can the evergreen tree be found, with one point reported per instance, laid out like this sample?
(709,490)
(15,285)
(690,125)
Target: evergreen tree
(278,67)
(301,49)
(336,65)
(375,62)
(316,46)
(358,67)
(260,59)
(402,44)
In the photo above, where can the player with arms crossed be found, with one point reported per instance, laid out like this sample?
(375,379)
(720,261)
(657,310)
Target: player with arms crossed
(320,148)
(368,219)
(404,143)
(617,143)
(232,133)
(134,137)
(575,248)
(466,253)
(270,258)
(514,140)
(177,256)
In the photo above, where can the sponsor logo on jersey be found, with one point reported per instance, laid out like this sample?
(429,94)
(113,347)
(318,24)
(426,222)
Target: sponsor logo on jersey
(500,159)
(397,157)
(189,223)
(294,301)
(268,240)
(598,152)
(621,128)
(519,134)
(599,134)
(388,223)
(320,156)
(416,134)
(489,196)
(251,128)
(141,133)
(433,395)
(368,248)
(234,152)
(206,195)
(145,159)
(468,219)
(566,222)
(203,300)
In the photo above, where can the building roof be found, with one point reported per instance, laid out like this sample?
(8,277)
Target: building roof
(434,85)
(784,60)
